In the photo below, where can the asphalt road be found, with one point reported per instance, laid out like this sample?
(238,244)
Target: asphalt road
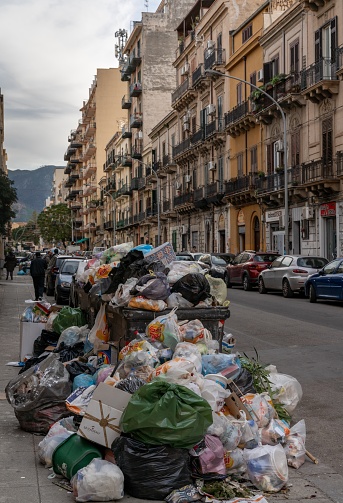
(303,340)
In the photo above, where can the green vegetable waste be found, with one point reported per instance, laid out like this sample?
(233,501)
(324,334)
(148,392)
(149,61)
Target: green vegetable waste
(161,413)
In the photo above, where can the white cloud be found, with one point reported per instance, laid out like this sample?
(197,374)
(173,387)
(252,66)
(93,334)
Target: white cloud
(50,52)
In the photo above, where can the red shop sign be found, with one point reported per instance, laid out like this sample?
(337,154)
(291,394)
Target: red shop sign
(328,210)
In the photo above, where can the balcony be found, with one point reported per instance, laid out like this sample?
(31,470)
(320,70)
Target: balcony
(137,150)
(241,190)
(200,202)
(125,132)
(319,81)
(168,164)
(126,102)
(314,5)
(135,89)
(339,60)
(135,59)
(320,178)
(214,193)
(240,119)
(108,226)
(136,120)
(89,170)
(90,129)
(99,229)
(75,205)
(199,78)
(126,160)
(124,191)
(89,151)
(136,183)
(67,169)
(75,159)
(111,186)
(180,149)
(126,71)
(214,58)
(183,95)
(69,152)
(214,132)
(184,203)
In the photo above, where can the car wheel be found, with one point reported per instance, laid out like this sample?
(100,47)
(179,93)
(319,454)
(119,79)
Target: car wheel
(261,287)
(226,280)
(312,294)
(287,291)
(246,283)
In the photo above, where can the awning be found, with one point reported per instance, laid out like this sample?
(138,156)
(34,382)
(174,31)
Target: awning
(82,240)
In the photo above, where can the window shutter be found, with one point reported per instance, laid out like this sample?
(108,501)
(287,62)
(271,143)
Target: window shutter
(333,26)
(267,72)
(318,45)
(270,168)
(220,174)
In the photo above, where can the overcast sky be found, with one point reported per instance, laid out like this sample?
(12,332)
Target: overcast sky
(49,53)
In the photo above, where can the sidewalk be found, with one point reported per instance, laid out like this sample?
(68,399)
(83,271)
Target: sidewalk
(23,478)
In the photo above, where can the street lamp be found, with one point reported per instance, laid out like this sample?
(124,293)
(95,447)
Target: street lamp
(215,72)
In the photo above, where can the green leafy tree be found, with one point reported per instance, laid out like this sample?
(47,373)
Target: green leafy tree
(8,196)
(55,224)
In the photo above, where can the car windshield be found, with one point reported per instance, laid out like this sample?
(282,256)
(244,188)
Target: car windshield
(312,262)
(69,267)
(267,257)
(185,257)
(218,261)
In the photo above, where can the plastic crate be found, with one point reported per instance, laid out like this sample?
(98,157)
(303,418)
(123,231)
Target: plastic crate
(124,322)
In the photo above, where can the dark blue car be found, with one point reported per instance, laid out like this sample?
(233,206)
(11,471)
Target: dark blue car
(326,283)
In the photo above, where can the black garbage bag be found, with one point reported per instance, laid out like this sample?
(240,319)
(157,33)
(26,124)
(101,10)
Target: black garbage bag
(123,272)
(131,384)
(151,471)
(244,382)
(87,287)
(46,338)
(33,361)
(67,353)
(158,289)
(194,287)
(76,368)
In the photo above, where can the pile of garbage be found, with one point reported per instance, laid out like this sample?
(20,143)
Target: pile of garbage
(174,418)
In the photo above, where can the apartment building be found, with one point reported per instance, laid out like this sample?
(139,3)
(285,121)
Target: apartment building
(101,117)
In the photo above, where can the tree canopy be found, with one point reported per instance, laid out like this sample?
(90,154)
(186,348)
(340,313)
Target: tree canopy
(8,196)
(55,224)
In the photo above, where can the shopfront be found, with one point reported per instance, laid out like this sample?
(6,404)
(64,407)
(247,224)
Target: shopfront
(329,229)
(275,232)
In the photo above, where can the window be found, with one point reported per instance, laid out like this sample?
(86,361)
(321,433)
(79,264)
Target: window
(163,149)
(239,90)
(270,69)
(295,148)
(253,159)
(294,57)
(327,140)
(240,165)
(287,261)
(221,174)
(253,80)
(220,113)
(325,42)
(246,33)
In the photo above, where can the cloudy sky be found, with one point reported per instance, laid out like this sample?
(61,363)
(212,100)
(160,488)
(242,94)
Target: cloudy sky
(49,53)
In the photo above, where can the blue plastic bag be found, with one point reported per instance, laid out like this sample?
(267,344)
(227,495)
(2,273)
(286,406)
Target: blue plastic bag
(227,365)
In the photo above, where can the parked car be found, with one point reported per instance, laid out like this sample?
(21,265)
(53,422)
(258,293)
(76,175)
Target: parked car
(63,280)
(184,256)
(326,283)
(73,296)
(246,267)
(288,274)
(216,264)
(52,272)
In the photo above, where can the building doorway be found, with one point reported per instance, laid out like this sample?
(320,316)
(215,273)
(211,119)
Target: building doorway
(330,238)
(257,234)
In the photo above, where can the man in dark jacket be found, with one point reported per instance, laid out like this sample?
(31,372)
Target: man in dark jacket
(10,263)
(37,271)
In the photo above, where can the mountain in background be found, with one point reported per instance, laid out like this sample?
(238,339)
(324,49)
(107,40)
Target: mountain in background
(33,188)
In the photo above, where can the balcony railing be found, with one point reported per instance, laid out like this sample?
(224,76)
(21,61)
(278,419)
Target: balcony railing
(181,147)
(198,75)
(240,184)
(237,113)
(324,69)
(215,57)
(126,102)
(166,206)
(183,199)
(180,90)
(136,120)
(135,89)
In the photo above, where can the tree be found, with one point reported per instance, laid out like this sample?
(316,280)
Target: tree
(8,196)
(55,224)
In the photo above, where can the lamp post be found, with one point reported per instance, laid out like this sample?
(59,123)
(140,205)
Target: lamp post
(215,72)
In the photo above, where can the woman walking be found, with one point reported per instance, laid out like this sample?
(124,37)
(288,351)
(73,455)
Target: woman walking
(10,263)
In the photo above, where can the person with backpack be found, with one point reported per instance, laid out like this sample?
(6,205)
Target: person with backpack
(37,271)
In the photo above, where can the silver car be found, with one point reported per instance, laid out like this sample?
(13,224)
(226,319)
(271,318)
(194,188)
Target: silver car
(289,273)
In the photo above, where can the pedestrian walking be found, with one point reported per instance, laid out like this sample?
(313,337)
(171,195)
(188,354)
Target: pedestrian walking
(53,259)
(37,271)
(10,263)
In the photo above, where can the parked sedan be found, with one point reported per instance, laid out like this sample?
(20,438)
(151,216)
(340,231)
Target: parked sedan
(326,283)
(246,267)
(64,278)
(73,295)
(288,274)
(216,264)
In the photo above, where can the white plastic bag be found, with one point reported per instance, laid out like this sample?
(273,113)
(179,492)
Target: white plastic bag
(214,394)
(287,390)
(179,268)
(260,408)
(99,481)
(177,371)
(235,462)
(194,332)
(267,467)
(100,332)
(218,289)
(295,445)
(165,329)
(122,296)
(249,431)
(274,433)
(56,435)
(189,352)
(175,299)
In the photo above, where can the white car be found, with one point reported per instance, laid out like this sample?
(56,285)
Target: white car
(288,273)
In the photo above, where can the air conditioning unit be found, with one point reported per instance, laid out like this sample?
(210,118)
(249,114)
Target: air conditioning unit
(140,135)
(211,109)
(185,69)
(186,117)
(260,75)
(307,213)
(211,165)
(282,221)
(188,178)
(184,229)
(186,126)
(279,146)
(210,44)
(177,185)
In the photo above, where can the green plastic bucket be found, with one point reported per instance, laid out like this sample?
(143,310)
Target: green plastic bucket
(73,454)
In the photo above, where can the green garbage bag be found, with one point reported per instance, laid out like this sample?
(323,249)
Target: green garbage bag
(68,317)
(161,413)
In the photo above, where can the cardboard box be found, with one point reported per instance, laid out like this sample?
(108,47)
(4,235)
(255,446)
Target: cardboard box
(100,424)
(235,405)
(29,332)
(165,253)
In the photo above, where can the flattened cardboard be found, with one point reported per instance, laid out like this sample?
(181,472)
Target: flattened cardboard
(235,405)
(100,423)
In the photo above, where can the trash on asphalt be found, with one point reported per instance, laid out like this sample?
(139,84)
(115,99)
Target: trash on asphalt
(142,391)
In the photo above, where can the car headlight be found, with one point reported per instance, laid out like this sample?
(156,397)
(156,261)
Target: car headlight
(65,284)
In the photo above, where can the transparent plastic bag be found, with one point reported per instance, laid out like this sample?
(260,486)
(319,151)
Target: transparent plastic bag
(141,302)
(227,365)
(194,331)
(73,335)
(179,268)
(100,332)
(189,352)
(267,467)
(249,431)
(274,433)
(165,329)
(235,462)
(214,394)
(176,300)
(218,289)
(287,390)
(261,410)
(295,445)
(177,371)
(122,295)
(99,481)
